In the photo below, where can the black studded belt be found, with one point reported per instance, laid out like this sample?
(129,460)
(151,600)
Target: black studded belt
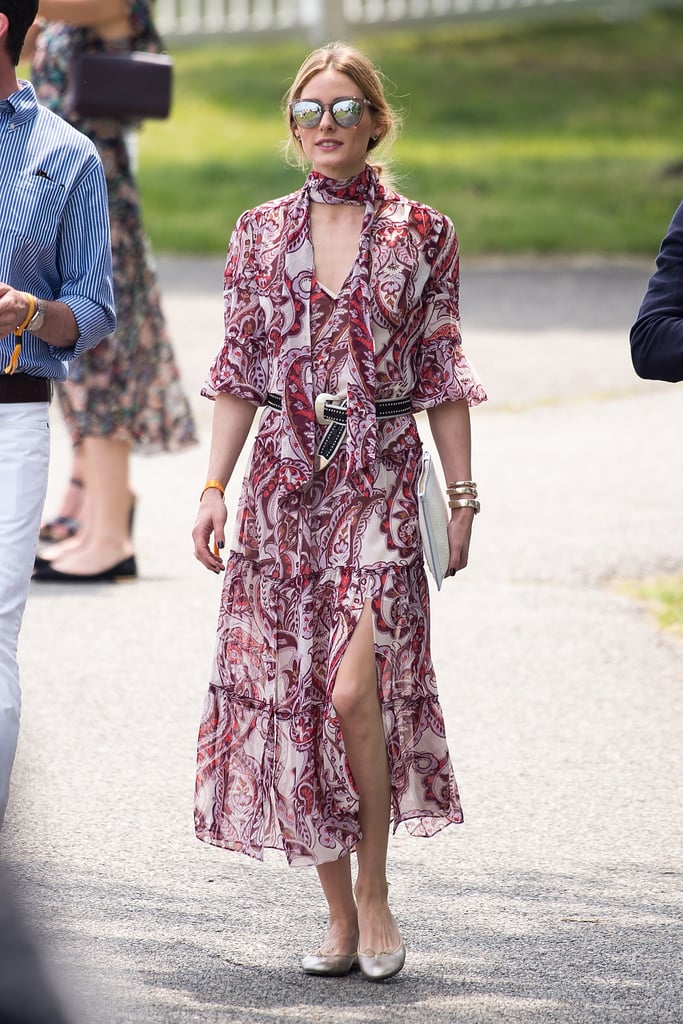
(22,387)
(331,409)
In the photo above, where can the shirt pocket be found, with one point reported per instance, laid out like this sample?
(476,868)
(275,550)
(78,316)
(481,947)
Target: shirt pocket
(34,210)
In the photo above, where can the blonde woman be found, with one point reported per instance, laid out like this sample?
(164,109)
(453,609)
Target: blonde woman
(322,724)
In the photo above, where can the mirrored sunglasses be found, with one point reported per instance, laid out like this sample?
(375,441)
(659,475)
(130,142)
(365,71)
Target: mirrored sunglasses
(346,111)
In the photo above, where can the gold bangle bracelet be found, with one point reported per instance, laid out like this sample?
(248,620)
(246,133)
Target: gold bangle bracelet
(213,484)
(465,503)
(461,489)
(462,483)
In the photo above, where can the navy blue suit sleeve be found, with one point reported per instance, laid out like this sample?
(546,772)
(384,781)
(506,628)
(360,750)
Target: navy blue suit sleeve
(657,334)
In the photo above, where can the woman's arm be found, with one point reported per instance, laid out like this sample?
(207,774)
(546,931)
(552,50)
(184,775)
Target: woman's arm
(30,41)
(108,17)
(232,419)
(450,427)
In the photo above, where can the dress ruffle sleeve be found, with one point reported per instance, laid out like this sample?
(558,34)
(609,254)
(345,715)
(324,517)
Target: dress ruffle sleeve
(443,372)
(241,366)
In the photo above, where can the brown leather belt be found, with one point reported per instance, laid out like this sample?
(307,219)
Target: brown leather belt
(21,387)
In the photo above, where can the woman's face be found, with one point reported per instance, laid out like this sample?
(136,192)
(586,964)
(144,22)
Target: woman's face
(332,150)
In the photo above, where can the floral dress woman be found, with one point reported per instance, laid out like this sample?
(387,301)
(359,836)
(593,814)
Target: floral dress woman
(128,388)
(315,541)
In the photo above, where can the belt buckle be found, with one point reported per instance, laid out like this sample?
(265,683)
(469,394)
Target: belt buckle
(324,399)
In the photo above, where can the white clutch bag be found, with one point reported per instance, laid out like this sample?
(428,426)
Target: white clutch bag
(433,518)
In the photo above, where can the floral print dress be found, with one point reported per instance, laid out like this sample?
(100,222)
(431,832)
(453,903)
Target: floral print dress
(128,388)
(308,554)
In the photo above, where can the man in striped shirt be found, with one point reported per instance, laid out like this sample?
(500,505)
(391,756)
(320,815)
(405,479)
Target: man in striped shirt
(56,301)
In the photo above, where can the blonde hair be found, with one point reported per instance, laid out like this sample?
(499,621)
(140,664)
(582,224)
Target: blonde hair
(348,61)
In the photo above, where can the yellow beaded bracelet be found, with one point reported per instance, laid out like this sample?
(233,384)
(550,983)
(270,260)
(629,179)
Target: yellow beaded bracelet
(215,484)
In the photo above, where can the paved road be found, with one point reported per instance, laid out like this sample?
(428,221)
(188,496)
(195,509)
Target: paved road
(559,899)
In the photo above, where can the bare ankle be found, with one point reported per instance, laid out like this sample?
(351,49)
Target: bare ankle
(346,921)
(375,892)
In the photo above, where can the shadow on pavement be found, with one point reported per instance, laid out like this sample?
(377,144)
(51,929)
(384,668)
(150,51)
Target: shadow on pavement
(555,947)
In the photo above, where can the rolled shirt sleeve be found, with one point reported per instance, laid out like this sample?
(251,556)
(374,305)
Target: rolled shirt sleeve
(85,260)
(55,240)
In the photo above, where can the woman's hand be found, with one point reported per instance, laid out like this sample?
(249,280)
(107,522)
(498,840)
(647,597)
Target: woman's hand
(210,520)
(232,418)
(459,533)
(14,307)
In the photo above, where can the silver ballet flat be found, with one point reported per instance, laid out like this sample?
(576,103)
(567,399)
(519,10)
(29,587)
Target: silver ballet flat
(331,965)
(379,966)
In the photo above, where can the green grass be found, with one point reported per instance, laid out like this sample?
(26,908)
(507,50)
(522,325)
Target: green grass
(663,597)
(563,137)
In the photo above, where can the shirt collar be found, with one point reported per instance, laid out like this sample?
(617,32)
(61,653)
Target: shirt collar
(21,105)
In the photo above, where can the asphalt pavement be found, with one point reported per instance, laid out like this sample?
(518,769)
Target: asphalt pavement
(559,899)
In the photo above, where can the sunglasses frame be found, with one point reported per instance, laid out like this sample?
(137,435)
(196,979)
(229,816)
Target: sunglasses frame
(327,108)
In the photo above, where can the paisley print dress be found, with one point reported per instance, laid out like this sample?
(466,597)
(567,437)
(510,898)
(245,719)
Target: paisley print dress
(310,551)
(128,388)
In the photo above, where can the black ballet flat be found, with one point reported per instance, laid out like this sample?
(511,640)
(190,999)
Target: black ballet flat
(125,570)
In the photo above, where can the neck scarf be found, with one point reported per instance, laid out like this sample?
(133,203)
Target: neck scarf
(294,357)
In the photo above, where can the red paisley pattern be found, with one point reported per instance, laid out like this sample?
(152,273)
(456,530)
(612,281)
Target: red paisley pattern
(311,547)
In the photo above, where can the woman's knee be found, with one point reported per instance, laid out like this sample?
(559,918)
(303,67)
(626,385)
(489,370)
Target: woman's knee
(355,688)
(353,699)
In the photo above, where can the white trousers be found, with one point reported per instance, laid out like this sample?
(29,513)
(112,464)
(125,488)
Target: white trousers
(24,458)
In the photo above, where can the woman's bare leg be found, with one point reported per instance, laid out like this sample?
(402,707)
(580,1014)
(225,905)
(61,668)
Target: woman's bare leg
(342,933)
(106,540)
(357,704)
(71,507)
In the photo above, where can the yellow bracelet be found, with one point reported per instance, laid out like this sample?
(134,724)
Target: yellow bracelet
(32,306)
(215,484)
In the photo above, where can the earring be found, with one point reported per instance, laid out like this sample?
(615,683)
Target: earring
(375,138)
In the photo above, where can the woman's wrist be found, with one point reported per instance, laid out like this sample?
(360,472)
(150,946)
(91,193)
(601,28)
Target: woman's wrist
(213,485)
(463,495)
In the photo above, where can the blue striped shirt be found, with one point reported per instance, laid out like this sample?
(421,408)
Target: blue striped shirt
(54,228)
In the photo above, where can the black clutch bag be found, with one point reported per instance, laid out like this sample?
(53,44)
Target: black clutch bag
(123,86)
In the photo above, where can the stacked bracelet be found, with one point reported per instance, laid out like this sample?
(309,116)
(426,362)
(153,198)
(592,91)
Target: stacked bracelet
(465,503)
(455,491)
(462,487)
(463,494)
(216,484)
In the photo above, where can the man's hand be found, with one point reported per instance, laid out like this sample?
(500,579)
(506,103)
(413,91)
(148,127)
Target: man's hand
(14,307)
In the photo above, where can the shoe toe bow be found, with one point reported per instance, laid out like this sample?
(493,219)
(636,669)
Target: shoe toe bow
(379,966)
(332,964)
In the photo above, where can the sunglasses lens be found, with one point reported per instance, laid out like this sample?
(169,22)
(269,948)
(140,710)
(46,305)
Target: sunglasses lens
(307,113)
(347,113)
